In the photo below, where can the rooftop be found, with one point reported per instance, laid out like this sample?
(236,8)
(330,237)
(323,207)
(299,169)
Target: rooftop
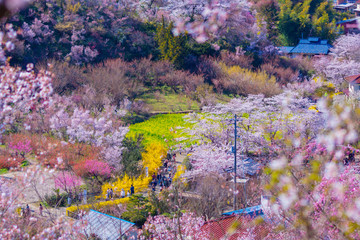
(286,49)
(250,211)
(344,5)
(221,228)
(353,79)
(349,20)
(312,45)
(106,226)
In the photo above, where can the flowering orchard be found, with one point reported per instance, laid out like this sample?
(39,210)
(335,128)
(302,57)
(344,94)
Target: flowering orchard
(263,126)
(304,133)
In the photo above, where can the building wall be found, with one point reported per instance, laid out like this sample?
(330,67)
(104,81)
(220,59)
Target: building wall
(353,87)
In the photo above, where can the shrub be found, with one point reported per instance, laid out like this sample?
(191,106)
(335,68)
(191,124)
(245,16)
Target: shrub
(182,80)
(125,183)
(56,200)
(67,78)
(7,161)
(131,155)
(150,72)
(138,209)
(48,150)
(112,79)
(283,75)
(232,59)
(71,211)
(209,69)
(92,168)
(19,143)
(244,82)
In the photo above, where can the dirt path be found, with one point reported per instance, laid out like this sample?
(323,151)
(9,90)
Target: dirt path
(35,190)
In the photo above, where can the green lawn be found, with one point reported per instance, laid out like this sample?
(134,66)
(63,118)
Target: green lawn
(169,102)
(172,102)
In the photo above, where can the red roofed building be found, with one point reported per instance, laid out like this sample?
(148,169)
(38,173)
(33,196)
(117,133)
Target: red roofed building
(233,227)
(354,83)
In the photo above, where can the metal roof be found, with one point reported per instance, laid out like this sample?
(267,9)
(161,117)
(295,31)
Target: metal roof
(250,211)
(348,20)
(311,48)
(311,45)
(105,226)
(286,49)
(304,41)
(313,39)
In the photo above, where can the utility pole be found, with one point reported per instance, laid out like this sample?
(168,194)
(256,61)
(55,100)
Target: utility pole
(234,150)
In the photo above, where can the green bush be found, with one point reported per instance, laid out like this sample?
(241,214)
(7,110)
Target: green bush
(131,155)
(56,200)
(138,210)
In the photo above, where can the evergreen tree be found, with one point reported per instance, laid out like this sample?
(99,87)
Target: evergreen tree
(269,13)
(172,48)
(306,18)
(131,155)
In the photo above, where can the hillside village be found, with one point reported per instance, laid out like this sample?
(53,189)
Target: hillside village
(174,120)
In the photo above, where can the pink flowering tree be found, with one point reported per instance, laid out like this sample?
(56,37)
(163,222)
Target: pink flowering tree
(312,187)
(186,226)
(21,147)
(208,19)
(80,126)
(22,91)
(67,181)
(93,168)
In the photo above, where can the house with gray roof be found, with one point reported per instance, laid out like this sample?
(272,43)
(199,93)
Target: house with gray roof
(107,227)
(311,46)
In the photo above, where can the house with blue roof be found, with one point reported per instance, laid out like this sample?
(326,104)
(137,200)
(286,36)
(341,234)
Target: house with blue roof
(254,211)
(310,47)
(107,227)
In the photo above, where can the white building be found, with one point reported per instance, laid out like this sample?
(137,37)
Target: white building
(354,83)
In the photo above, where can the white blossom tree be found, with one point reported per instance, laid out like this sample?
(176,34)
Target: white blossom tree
(344,59)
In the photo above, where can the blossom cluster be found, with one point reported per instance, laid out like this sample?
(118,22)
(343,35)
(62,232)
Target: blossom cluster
(80,126)
(186,226)
(22,91)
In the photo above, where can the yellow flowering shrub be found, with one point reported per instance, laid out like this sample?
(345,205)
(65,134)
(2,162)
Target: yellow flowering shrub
(125,183)
(179,171)
(73,209)
(152,157)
